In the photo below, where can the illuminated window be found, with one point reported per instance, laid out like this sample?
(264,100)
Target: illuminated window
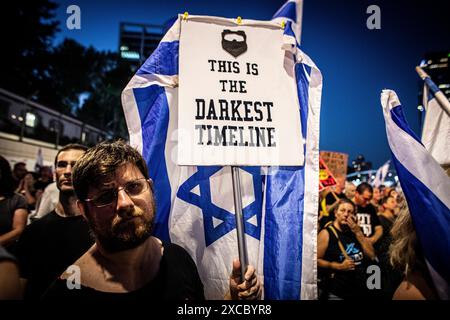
(129,55)
(30,119)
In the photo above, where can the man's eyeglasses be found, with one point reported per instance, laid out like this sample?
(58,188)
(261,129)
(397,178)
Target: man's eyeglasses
(132,189)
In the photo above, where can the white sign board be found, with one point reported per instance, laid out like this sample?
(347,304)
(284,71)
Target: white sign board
(238,101)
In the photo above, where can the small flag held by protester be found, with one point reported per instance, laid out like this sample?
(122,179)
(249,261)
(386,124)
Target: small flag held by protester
(426,187)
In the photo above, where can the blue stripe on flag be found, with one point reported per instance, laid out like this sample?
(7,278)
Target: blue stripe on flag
(163,61)
(288,30)
(283,238)
(283,234)
(153,111)
(399,118)
(301,70)
(433,87)
(289,10)
(428,224)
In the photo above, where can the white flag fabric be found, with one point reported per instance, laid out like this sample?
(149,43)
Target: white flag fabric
(436,127)
(292,12)
(195,206)
(426,187)
(381,173)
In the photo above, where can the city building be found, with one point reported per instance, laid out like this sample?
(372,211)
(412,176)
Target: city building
(27,127)
(138,41)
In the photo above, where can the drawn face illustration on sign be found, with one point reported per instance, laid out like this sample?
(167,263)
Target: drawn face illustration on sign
(234,42)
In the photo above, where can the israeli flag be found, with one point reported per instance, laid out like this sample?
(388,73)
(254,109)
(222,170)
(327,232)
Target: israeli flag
(381,174)
(292,12)
(436,128)
(195,207)
(427,191)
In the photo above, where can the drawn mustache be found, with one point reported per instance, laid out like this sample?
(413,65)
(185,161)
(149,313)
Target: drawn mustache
(234,47)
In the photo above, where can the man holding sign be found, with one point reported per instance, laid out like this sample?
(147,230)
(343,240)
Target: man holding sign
(116,198)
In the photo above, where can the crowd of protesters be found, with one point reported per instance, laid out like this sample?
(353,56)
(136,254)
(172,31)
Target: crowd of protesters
(365,226)
(44,230)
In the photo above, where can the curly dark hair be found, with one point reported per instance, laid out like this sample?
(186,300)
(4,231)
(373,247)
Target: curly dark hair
(102,161)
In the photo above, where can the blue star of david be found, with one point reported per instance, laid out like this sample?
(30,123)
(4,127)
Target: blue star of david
(202,179)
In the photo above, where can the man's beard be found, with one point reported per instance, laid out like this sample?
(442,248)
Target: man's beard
(127,231)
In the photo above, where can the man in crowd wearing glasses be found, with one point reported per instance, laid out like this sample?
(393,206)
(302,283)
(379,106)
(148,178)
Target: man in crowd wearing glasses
(50,244)
(126,263)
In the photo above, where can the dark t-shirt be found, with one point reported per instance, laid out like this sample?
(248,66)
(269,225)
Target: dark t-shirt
(7,208)
(390,277)
(345,284)
(177,279)
(367,219)
(47,247)
(382,246)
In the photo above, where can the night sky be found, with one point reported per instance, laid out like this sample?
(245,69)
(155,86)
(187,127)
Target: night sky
(356,63)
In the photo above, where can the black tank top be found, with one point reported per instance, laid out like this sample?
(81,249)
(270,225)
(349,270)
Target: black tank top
(345,284)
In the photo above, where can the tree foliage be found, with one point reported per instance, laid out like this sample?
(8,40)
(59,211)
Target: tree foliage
(58,76)
(27,30)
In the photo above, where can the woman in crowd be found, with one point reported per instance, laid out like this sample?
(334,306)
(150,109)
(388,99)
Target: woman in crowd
(343,253)
(406,256)
(13,208)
